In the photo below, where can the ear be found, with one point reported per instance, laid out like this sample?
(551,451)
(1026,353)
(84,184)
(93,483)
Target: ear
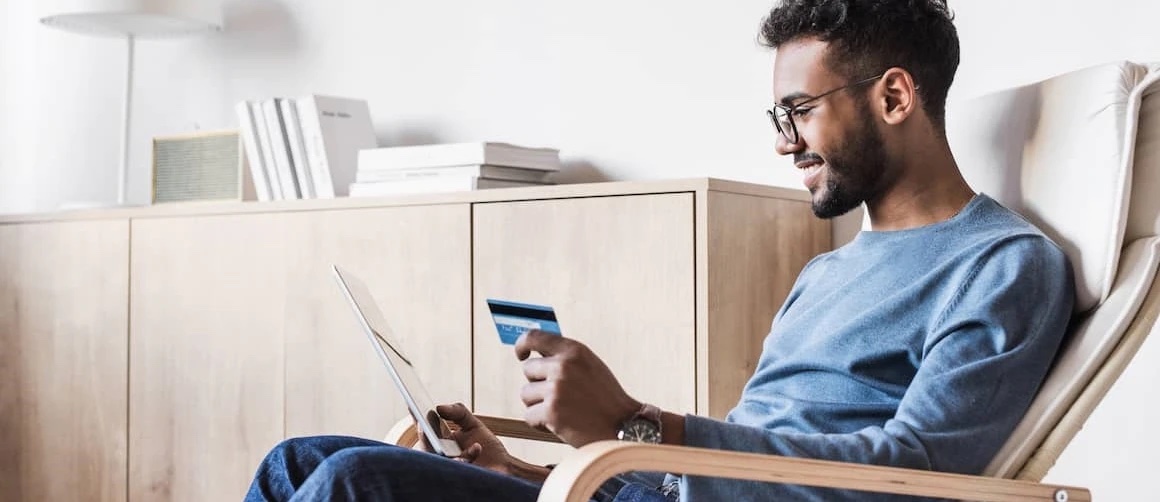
(899,96)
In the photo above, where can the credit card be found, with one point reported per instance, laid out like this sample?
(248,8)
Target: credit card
(513,319)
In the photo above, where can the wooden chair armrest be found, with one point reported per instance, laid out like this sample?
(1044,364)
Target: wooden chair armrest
(406,434)
(506,427)
(582,472)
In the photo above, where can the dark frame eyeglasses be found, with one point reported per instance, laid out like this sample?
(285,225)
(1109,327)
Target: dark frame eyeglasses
(782,115)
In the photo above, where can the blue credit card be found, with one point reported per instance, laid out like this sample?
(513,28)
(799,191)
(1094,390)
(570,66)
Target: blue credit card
(513,319)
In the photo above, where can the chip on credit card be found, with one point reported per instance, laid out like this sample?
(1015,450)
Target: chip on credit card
(513,319)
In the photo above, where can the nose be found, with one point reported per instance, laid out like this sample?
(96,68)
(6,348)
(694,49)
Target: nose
(784,147)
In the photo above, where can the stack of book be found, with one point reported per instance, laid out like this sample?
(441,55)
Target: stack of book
(304,148)
(451,168)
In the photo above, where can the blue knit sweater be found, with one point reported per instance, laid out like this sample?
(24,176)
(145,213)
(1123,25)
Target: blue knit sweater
(918,348)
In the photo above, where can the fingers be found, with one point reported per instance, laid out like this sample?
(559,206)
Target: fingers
(459,414)
(547,344)
(538,416)
(472,452)
(535,392)
(539,368)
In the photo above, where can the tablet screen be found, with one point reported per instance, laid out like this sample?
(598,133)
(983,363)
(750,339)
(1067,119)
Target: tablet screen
(400,366)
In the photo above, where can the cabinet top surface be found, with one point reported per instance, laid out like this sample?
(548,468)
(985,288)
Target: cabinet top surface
(564,191)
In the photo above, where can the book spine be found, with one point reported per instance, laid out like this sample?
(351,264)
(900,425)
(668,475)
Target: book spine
(281,153)
(414,157)
(458,154)
(414,186)
(245,113)
(315,147)
(369,173)
(294,142)
(267,151)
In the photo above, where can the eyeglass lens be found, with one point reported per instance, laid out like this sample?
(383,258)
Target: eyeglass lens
(783,123)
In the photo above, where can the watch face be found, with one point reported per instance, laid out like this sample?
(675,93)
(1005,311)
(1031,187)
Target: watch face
(640,431)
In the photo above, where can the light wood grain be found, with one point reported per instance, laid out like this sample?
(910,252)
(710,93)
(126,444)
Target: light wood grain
(416,261)
(753,249)
(239,337)
(63,360)
(619,273)
(206,366)
(241,313)
(577,477)
(584,470)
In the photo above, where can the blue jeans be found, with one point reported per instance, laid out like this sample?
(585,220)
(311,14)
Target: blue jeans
(337,468)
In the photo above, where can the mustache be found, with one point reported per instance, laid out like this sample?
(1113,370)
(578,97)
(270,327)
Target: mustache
(805,157)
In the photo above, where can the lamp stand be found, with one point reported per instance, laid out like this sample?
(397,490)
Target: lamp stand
(126,121)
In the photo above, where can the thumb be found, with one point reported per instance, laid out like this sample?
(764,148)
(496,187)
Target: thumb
(472,452)
(459,414)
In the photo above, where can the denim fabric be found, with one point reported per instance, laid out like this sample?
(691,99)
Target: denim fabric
(344,469)
(338,468)
(635,487)
(636,492)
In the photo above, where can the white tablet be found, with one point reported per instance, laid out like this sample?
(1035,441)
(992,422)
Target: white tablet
(402,371)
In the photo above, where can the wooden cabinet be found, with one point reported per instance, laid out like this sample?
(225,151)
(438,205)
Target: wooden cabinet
(750,251)
(416,261)
(206,346)
(619,271)
(63,360)
(171,347)
(241,338)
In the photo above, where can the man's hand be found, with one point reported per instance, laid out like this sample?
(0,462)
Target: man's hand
(479,445)
(482,447)
(570,391)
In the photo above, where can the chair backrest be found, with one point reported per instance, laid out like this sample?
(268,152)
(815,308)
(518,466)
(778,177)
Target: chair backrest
(1079,156)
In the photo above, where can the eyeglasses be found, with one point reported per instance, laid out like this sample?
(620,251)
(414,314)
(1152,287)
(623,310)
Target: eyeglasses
(782,115)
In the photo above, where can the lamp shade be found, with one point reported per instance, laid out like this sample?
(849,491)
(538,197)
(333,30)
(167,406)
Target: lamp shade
(140,18)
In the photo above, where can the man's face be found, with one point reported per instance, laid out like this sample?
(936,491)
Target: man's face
(839,150)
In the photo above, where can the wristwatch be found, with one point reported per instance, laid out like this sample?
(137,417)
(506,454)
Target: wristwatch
(642,427)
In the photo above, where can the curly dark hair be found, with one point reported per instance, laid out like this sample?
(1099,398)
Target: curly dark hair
(870,36)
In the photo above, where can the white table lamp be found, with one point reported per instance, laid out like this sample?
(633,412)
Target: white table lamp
(131,20)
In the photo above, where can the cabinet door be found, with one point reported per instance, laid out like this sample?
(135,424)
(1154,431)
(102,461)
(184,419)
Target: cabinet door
(619,272)
(63,360)
(206,374)
(241,336)
(416,261)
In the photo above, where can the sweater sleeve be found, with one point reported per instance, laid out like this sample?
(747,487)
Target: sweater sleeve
(984,358)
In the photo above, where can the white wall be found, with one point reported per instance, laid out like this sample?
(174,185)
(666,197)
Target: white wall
(4,66)
(627,90)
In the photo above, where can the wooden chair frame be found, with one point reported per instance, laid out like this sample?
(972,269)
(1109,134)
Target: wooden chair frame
(578,476)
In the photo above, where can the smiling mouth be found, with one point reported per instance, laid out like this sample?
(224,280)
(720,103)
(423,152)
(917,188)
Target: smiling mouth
(809,167)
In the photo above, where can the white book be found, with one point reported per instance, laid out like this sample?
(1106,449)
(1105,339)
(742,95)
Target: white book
(267,151)
(297,151)
(253,147)
(458,154)
(439,184)
(281,152)
(369,174)
(333,131)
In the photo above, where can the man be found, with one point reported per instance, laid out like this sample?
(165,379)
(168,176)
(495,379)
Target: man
(920,344)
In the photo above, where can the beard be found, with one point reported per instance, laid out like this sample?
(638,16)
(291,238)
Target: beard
(855,170)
